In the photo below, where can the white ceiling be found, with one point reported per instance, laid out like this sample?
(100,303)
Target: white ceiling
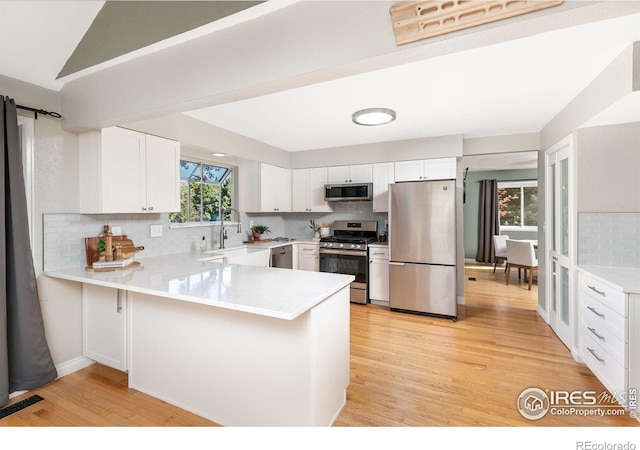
(37,37)
(507,88)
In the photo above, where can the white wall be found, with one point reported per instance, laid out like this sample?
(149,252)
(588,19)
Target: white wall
(608,163)
(205,138)
(434,147)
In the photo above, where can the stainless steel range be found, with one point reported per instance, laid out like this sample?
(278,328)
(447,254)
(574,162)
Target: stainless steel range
(346,252)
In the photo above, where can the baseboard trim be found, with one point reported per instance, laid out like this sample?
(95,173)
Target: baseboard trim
(73,365)
(542,313)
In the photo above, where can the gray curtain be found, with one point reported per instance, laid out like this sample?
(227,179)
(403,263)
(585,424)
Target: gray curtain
(25,360)
(488,220)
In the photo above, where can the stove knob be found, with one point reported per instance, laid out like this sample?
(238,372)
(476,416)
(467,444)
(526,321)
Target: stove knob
(329,244)
(341,245)
(355,246)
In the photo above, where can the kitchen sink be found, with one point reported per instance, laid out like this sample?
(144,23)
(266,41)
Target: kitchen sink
(238,255)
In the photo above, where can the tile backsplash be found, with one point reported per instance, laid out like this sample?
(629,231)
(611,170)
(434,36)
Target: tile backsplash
(609,239)
(64,234)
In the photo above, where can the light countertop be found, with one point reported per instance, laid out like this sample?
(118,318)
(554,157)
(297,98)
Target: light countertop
(626,279)
(279,293)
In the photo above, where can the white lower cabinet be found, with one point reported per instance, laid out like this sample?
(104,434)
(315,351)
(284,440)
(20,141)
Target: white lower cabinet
(104,325)
(379,275)
(309,257)
(604,334)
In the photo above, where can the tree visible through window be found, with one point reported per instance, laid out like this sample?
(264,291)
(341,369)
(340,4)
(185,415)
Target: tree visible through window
(204,189)
(518,204)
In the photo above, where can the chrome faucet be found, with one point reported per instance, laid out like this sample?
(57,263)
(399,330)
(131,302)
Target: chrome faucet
(223,231)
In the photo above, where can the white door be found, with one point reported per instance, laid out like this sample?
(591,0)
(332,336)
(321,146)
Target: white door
(338,174)
(104,330)
(361,173)
(162,174)
(300,190)
(383,176)
(123,171)
(440,169)
(317,180)
(409,170)
(560,240)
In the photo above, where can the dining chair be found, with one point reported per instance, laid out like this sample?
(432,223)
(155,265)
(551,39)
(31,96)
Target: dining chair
(500,250)
(522,255)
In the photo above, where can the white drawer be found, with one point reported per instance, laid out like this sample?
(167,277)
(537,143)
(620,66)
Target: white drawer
(309,249)
(592,326)
(598,313)
(379,252)
(604,366)
(613,298)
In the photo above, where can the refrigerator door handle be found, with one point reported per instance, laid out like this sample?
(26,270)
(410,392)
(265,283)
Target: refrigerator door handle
(396,263)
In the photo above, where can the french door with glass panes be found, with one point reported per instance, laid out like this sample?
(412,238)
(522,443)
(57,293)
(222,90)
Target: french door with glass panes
(560,240)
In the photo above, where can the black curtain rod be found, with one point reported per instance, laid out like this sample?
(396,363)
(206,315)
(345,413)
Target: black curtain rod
(39,111)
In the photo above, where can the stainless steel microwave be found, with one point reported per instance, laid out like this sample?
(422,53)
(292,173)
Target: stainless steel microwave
(348,192)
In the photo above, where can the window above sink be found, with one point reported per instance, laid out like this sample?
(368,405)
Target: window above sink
(204,188)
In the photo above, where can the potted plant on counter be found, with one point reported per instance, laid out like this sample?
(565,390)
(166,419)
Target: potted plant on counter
(315,228)
(258,230)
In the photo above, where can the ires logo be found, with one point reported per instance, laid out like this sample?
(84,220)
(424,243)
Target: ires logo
(534,403)
(575,398)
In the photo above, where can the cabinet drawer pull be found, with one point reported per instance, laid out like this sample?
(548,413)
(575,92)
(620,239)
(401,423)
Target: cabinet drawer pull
(119,302)
(378,253)
(593,310)
(593,330)
(595,356)
(597,291)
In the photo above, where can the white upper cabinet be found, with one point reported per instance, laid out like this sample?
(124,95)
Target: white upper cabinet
(361,173)
(307,192)
(124,171)
(427,169)
(264,188)
(383,175)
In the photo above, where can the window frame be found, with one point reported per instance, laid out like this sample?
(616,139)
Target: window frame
(518,184)
(210,223)
(26,128)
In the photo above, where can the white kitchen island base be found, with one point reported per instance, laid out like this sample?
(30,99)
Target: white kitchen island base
(242,369)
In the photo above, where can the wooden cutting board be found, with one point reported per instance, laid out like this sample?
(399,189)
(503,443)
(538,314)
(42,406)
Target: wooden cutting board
(91,247)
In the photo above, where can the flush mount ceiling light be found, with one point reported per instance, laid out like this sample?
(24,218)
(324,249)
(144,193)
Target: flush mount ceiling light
(218,154)
(373,116)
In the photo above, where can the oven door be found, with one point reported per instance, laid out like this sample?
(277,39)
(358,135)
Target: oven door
(348,263)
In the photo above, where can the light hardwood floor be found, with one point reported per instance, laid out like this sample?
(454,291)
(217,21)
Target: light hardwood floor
(406,370)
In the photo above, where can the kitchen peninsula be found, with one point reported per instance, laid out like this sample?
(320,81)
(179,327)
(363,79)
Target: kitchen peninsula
(240,345)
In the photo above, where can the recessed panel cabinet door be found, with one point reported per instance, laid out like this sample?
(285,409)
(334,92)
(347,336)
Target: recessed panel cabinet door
(300,190)
(104,325)
(123,162)
(162,175)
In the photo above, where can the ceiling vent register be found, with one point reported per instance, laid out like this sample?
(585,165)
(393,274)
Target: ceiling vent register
(414,20)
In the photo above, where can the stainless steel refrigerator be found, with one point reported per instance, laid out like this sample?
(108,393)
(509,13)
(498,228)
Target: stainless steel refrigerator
(422,247)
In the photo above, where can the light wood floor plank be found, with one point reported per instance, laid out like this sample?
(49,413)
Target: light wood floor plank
(406,370)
